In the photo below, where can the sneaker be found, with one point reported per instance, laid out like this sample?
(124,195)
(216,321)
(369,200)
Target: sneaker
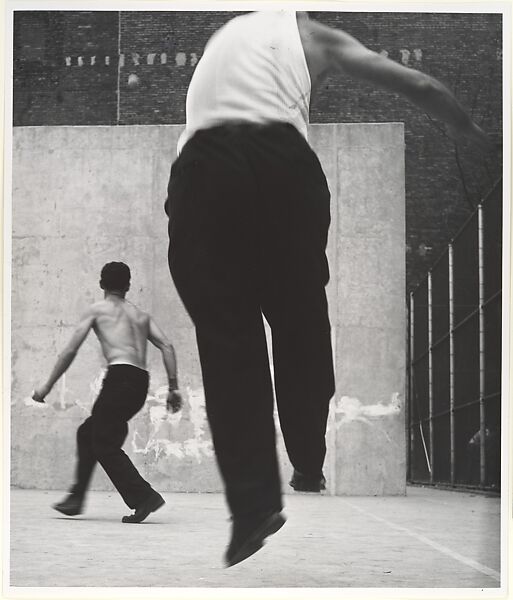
(303,483)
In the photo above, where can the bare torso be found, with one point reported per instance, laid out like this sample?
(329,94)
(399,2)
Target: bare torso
(122,330)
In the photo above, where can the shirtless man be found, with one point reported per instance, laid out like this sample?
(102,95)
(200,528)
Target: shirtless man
(122,330)
(249,211)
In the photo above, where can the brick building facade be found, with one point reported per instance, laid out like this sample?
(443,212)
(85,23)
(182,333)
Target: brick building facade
(72,67)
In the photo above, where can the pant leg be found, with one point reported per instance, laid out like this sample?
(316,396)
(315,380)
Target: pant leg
(303,377)
(213,256)
(295,209)
(86,459)
(239,403)
(122,396)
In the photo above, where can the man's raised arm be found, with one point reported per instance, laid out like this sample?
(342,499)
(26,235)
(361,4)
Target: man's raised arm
(158,339)
(338,51)
(66,357)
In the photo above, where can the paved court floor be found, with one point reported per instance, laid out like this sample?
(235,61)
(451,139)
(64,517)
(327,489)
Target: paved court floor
(428,539)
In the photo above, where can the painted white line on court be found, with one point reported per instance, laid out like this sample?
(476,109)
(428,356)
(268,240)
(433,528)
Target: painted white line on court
(469,562)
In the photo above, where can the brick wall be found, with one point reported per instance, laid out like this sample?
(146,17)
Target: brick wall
(49,92)
(72,67)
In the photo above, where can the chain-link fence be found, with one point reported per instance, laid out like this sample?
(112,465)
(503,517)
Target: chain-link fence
(455,320)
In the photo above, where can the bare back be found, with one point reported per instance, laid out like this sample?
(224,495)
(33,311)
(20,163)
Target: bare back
(122,330)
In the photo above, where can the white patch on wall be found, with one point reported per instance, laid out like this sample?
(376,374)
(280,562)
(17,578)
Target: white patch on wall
(62,393)
(405,55)
(28,401)
(163,423)
(181,59)
(198,413)
(349,409)
(96,385)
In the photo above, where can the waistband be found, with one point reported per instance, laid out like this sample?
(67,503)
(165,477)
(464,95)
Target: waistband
(126,368)
(229,127)
(279,136)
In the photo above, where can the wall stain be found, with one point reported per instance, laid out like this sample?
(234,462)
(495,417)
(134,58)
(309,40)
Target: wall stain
(166,429)
(349,409)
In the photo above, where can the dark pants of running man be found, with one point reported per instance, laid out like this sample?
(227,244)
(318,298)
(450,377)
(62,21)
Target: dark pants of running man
(249,213)
(100,437)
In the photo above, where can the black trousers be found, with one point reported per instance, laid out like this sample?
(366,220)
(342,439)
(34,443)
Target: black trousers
(248,209)
(100,437)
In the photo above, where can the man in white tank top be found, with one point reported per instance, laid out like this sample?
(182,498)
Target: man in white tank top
(123,331)
(248,208)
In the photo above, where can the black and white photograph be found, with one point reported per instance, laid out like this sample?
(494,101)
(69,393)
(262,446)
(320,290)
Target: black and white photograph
(256,299)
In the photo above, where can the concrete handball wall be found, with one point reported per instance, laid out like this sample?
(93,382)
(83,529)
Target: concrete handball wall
(83,196)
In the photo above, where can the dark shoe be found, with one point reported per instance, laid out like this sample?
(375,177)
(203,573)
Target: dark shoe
(302,483)
(151,504)
(248,536)
(70,506)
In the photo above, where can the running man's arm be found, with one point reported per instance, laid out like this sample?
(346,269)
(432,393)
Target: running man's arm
(158,339)
(341,52)
(67,356)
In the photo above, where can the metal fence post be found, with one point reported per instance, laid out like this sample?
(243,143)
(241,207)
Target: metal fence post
(482,422)
(430,376)
(411,385)
(451,362)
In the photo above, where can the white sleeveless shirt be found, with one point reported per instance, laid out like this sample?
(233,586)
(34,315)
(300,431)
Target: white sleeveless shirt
(253,69)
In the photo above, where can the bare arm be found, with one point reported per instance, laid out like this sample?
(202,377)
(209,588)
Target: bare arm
(158,339)
(338,51)
(67,356)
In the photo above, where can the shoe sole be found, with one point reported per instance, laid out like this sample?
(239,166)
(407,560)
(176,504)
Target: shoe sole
(316,489)
(67,512)
(256,540)
(154,506)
